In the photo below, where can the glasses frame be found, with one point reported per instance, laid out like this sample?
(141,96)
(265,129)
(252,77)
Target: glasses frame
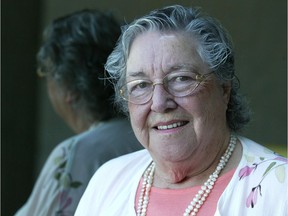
(199,79)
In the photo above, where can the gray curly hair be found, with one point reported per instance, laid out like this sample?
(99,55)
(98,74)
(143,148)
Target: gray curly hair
(214,48)
(73,53)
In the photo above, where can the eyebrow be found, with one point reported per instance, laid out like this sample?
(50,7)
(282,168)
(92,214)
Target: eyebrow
(137,74)
(186,67)
(183,67)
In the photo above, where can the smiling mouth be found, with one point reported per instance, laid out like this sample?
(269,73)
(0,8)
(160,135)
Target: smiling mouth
(170,126)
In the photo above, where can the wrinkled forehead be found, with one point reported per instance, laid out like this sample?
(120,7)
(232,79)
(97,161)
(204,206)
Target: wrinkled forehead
(160,39)
(129,39)
(157,52)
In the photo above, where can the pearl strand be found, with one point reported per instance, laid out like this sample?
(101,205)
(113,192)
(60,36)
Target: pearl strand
(202,194)
(145,190)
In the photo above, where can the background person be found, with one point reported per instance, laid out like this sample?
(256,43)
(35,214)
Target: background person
(72,59)
(175,71)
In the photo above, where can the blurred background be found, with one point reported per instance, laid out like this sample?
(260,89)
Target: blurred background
(30,128)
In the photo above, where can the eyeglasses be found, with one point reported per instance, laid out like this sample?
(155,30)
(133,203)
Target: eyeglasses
(178,84)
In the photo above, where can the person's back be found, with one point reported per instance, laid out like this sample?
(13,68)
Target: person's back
(72,59)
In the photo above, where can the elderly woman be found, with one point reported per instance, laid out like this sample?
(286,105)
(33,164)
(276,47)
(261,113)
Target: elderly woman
(175,77)
(72,59)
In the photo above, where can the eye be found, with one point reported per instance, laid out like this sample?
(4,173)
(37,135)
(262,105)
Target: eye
(138,86)
(180,82)
(142,85)
(182,78)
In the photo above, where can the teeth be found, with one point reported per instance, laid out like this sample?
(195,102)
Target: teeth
(174,125)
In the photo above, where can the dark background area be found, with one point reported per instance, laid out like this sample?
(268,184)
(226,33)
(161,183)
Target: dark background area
(19,35)
(30,129)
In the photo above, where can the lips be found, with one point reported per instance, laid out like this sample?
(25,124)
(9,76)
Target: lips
(171,126)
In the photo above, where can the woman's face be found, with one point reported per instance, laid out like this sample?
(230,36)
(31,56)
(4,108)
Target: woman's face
(193,121)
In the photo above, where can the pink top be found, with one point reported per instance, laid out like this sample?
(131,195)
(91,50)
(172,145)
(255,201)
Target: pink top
(174,202)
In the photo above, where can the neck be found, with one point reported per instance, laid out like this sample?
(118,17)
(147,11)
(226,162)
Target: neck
(188,173)
(80,122)
(202,194)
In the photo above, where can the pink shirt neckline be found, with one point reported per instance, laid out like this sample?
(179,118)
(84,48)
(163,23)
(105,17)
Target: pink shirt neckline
(174,202)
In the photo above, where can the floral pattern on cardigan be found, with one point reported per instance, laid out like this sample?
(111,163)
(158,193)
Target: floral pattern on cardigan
(275,164)
(64,178)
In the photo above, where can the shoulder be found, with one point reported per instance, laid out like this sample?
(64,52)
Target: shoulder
(253,149)
(121,124)
(75,156)
(86,152)
(258,182)
(121,170)
(262,172)
(63,149)
(126,163)
(69,147)
(114,184)
(106,141)
(115,135)
(259,159)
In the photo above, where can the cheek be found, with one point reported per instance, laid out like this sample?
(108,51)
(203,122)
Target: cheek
(52,95)
(57,98)
(206,106)
(212,108)
(138,117)
(132,112)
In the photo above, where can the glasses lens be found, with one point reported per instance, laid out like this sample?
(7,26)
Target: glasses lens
(180,84)
(137,91)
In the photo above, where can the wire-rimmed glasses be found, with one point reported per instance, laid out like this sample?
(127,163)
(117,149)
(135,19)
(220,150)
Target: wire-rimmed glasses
(178,84)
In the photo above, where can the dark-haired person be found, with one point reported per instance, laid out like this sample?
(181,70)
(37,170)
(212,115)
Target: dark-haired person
(72,59)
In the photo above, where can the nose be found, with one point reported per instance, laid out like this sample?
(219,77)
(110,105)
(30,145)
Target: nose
(162,101)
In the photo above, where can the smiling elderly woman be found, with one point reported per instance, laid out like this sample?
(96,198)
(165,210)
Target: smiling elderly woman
(174,74)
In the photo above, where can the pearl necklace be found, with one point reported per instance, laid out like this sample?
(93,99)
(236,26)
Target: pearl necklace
(202,194)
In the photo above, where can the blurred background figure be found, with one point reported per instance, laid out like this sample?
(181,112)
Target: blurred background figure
(72,59)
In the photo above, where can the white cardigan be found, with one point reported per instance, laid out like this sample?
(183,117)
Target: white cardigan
(112,190)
